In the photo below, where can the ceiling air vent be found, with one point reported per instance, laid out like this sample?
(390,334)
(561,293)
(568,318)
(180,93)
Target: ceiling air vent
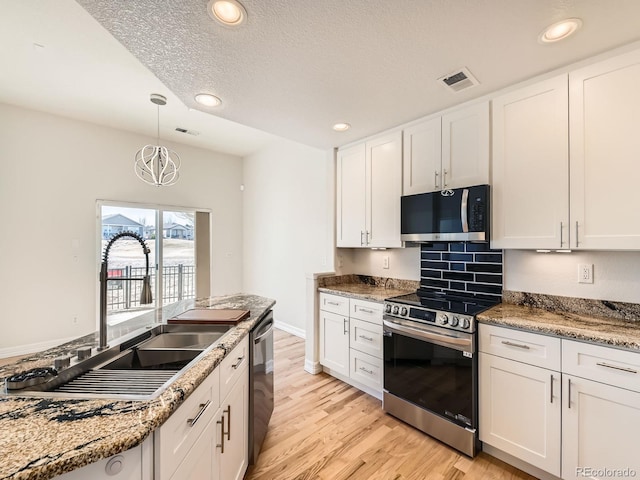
(459,80)
(190,132)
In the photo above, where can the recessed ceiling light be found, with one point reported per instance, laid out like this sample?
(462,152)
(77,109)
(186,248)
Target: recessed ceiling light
(341,127)
(207,100)
(227,12)
(559,30)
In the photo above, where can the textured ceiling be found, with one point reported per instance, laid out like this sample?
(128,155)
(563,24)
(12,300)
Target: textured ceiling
(293,69)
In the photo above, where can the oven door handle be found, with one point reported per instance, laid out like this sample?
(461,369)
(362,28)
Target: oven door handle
(456,343)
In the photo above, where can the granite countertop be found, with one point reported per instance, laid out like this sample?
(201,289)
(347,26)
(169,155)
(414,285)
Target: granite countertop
(608,331)
(375,289)
(44,437)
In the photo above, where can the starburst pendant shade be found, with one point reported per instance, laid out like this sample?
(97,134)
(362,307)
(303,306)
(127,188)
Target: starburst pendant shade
(157,165)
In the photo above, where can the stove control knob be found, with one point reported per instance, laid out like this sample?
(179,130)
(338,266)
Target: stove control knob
(443,319)
(395,310)
(404,311)
(387,308)
(454,322)
(465,323)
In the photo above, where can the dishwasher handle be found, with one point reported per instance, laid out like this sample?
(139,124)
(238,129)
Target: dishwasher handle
(264,336)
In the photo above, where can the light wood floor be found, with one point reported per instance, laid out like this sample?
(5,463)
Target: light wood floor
(323,429)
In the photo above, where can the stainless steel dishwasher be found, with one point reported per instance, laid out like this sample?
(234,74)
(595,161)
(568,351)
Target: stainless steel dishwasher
(260,383)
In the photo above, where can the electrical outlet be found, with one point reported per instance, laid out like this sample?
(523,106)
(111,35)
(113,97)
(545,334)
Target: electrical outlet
(585,273)
(385,261)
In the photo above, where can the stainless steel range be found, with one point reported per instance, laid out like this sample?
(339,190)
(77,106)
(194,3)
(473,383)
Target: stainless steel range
(430,365)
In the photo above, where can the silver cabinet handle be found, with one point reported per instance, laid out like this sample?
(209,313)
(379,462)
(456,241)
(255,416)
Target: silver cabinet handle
(361,235)
(444,178)
(568,393)
(519,345)
(370,372)
(368,237)
(228,412)
(366,310)
(615,367)
(463,210)
(369,339)
(203,407)
(221,444)
(238,363)
(576,233)
(337,304)
(345,326)
(435,179)
(561,240)
(551,395)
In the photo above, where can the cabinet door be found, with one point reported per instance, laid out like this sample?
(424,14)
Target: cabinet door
(605,150)
(334,342)
(422,157)
(600,426)
(200,462)
(234,414)
(520,411)
(465,147)
(383,190)
(350,202)
(530,205)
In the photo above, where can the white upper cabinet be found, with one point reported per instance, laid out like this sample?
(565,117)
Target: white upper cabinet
(447,151)
(605,154)
(565,160)
(422,157)
(530,184)
(465,147)
(369,186)
(350,202)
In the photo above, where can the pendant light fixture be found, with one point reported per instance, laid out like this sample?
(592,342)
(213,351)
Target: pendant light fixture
(155,164)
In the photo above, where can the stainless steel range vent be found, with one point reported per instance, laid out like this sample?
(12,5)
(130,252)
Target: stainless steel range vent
(459,80)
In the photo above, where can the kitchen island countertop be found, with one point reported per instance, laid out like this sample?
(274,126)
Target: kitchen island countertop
(42,437)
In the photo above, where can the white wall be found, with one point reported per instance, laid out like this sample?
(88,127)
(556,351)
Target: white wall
(52,171)
(404,263)
(287,225)
(616,274)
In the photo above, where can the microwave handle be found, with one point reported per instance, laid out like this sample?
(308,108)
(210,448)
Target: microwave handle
(463,210)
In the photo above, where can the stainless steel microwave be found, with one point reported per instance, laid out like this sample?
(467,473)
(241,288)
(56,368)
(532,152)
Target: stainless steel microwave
(461,214)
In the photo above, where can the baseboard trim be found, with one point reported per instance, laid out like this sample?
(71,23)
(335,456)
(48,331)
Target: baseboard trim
(516,462)
(312,367)
(298,332)
(30,348)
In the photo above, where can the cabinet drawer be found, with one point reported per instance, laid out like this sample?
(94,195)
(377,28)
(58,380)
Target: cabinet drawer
(232,366)
(175,438)
(366,310)
(334,304)
(366,369)
(532,348)
(366,337)
(602,364)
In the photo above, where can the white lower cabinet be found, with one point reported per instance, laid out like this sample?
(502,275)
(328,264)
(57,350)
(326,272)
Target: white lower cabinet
(580,423)
(133,464)
(334,342)
(351,341)
(232,429)
(207,439)
(520,403)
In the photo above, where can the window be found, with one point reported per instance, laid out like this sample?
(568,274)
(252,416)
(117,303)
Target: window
(171,235)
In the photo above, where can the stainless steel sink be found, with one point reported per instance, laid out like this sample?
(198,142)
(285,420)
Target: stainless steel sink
(137,367)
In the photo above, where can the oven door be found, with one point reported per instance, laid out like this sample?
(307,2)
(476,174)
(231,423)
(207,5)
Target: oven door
(433,368)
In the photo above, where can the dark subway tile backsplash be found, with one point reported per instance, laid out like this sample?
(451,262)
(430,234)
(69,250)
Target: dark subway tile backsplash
(462,267)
